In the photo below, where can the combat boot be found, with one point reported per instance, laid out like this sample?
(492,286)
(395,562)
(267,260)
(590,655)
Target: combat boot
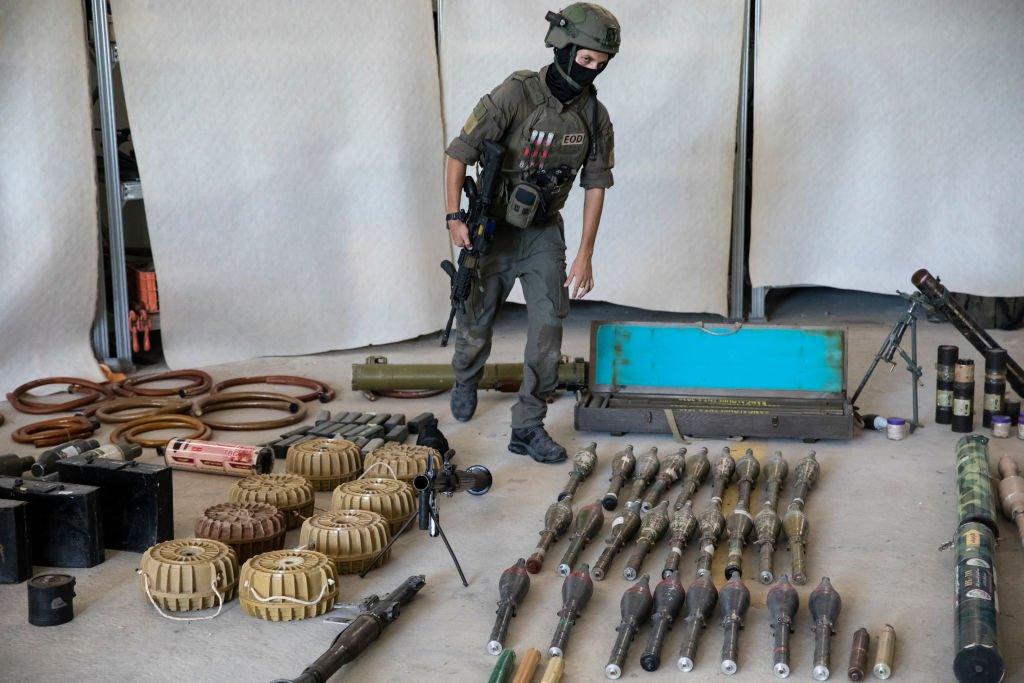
(536,443)
(463,401)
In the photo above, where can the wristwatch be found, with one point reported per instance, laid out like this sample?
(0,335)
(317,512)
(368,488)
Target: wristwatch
(457,216)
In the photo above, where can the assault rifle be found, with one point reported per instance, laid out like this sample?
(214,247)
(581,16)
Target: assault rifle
(481,229)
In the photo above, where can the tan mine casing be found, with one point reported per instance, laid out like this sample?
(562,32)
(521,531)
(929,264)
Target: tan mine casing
(400,461)
(325,463)
(287,585)
(289,493)
(351,538)
(187,574)
(248,528)
(392,499)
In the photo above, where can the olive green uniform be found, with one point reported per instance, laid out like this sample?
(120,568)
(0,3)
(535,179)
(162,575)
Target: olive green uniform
(582,142)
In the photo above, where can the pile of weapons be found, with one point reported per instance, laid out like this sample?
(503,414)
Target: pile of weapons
(641,482)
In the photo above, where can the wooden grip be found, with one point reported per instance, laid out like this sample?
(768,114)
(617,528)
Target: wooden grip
(527,667)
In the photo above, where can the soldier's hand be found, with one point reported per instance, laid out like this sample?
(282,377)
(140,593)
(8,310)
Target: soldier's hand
(581,277)
(460,234)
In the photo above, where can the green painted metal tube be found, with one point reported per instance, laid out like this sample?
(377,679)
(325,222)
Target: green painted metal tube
(975,500)
(377,374)
(504,667)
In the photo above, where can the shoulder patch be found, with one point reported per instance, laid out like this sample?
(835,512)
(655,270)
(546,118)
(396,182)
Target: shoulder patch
(478,114)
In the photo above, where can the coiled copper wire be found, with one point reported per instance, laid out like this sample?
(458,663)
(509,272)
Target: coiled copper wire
(199,383)
(22,402)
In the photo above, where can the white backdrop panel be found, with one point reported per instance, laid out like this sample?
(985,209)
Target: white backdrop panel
(672,94)
(48,214)
(291,155)
(887,137)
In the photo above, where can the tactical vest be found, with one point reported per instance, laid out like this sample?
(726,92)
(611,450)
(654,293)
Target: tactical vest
(550,166)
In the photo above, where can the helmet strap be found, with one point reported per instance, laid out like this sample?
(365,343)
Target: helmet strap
(565,73)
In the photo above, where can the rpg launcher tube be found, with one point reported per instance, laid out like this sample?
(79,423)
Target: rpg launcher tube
(378,375)
(652,528)
(944,367)
(740,523)
(583,464)
(646,469)
(668,600)
(694,473)
(795,522)
(977,658)
(513,586)
(624,528)
(701,597)
(503,668)
(858,655)
(681,530)
(824,604)
(622,468)
(939,297)
(576,592)
(670,471)
(733,602)
(963,396)
(995,385)
(767,523)
(711,524)
(556,521)
(884,653)
(783,603)
(589,520)
(635,609)
(1011,493)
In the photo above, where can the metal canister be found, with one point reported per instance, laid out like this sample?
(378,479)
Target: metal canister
(885,653)
(944,383)
(963,396)
(218,458)
(995,385)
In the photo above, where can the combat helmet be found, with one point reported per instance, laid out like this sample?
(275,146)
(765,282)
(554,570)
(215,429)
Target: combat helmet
(584,25)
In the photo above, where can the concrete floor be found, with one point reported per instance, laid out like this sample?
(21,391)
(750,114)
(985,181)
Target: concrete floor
(878,515)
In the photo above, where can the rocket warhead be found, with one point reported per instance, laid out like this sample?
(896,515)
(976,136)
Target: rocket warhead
(701,597)
(722,469)
(796,526)
(683,522)
(776,469)
(556,521)
(623,465)
(577,589)
(767,525)
(646,469)
(512,588)
(733,602)
(711,524)
(652,528)
(783,603)
(668,600)
(824,605)
(671,469)
(807,471)
(589,520)
(1011,493)
(636,601)
(584,462)
(695,471)
(747,468)
(738,528)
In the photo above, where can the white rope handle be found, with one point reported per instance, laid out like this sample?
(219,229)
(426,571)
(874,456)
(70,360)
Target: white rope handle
(308,603)
(394,475)
(213,586)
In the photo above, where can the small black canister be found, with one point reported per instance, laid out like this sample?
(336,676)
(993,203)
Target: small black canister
(50,598)
(995,385)
(1012,409)
(963,396)
(944,384)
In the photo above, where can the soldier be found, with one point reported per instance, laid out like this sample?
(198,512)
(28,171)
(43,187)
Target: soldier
(552,127)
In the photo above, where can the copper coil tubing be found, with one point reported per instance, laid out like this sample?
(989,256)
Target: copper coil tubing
(119,410)
(131,431)
(92,392)
(199,383)
(55,431)
(319,391)
(233,400)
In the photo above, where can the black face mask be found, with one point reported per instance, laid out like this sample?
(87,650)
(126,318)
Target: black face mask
(565,63)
